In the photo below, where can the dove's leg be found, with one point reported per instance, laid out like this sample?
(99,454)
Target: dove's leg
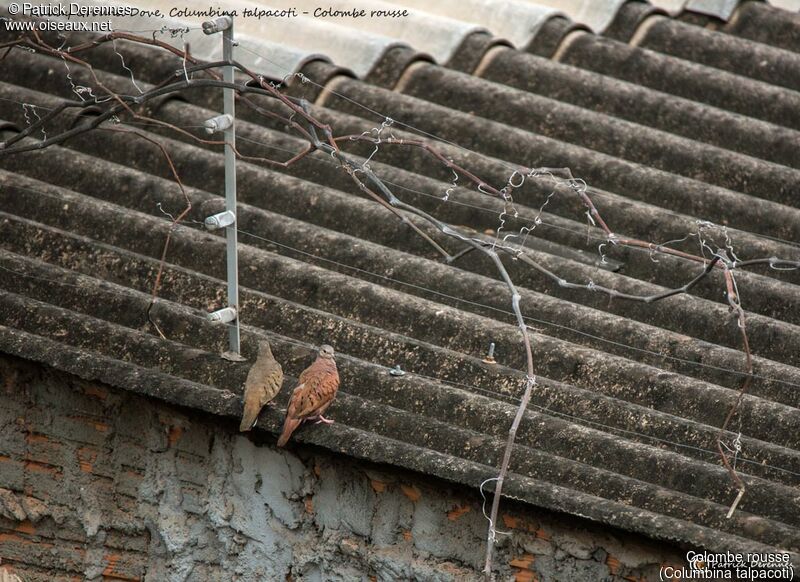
(322,419)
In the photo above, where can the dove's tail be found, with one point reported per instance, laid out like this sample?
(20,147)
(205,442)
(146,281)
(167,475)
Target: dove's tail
(289,426)
(249,416)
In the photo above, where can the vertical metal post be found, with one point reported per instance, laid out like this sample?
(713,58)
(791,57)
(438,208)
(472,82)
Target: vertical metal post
(230,190)
(227,219)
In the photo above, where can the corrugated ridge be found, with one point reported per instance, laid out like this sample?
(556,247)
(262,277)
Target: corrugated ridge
(683,78)
(737,55)
(601,133)
(763,23)
(645,106)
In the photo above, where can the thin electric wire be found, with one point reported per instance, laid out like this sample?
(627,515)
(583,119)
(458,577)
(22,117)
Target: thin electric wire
(586,234)
(471,388)
(482,305)
(509,166)
(305,78)
(24,104)
(547,410)
(467,387)
(582,234)
(511,313)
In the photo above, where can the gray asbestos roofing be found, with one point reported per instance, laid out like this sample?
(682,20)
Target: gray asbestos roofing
(670,120)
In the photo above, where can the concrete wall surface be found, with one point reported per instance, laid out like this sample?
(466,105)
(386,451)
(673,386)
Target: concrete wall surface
(99,484)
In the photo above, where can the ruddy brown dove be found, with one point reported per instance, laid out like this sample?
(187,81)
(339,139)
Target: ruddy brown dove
(262,385)
(315,391)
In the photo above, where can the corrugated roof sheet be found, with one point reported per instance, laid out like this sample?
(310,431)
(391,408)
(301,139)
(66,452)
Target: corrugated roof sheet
(622,427)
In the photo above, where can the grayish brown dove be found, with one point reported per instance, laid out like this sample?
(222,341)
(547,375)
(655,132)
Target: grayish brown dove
(315,391)
(262,385)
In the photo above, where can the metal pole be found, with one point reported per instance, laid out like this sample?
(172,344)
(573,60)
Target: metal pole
(230,190)
(227,219)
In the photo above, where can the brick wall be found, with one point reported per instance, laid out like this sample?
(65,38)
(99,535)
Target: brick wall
(100,484)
